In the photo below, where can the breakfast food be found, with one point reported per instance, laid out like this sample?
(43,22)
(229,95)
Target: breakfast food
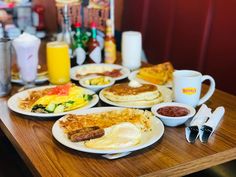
(173,111)
(97,81)
(133,94)
(41,72)
(101,70)
(158,74)
(111,129)
(56,99)
(86,134)
(121,135)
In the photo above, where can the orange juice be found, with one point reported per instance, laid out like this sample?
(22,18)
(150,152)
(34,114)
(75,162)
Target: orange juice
(58,62)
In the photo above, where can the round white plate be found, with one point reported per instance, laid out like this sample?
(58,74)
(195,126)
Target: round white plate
(39,80)
(166,93)
(125,71)
(133,76)
(147,138)
(14,100)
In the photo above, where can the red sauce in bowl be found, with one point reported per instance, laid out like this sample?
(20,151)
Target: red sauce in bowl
(173,111)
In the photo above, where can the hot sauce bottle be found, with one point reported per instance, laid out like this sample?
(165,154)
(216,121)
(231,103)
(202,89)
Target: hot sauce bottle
(79,46)
(94,50)
(109,44)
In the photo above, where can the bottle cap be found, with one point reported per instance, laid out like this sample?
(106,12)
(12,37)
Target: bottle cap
(93,25)
(108,22)
(77,25)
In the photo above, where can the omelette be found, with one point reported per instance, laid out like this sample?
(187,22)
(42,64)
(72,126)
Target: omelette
(57,99)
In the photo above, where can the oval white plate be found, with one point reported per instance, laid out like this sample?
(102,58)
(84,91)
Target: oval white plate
(125,71)
(166,93)
(133,76)
(39,79)
(147,138)
(14,100)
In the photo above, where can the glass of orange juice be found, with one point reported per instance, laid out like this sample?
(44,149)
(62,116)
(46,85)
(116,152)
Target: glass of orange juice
(58,62)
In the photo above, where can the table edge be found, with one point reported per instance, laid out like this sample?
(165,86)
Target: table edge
(196,165)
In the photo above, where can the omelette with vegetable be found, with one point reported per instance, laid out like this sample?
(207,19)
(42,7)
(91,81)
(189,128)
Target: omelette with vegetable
(56,99)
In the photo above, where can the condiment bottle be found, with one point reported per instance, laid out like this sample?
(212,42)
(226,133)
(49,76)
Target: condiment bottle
(109,44)
(79,46)
(66,31)
(38,17)
(94,50)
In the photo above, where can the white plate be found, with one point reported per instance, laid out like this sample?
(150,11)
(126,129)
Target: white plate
(147,138)
(125,71)
(39,79)
(133,76)
(13,103)
(166,93)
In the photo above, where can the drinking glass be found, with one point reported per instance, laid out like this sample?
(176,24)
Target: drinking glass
(131,49)
(58,62)
(27,47)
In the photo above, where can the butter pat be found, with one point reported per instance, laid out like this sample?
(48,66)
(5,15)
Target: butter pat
(134,84)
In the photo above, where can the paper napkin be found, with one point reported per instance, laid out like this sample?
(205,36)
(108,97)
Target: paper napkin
(192,131)
(209,127)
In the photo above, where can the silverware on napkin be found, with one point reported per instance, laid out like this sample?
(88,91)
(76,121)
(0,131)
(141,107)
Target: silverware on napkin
(192,131)
(209,127)
(116,156)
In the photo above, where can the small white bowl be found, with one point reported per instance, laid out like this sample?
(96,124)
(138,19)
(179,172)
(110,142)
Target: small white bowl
(173,121)
(95,88)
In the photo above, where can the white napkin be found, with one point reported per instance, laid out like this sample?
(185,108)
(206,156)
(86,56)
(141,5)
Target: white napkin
(192,132)
(204,124)
(116,156)
(209,127)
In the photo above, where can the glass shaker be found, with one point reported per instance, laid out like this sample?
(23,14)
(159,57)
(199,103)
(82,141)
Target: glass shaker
(5,66)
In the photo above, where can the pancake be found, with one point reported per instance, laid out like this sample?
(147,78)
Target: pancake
(41,71)
(141,102)
(143,95)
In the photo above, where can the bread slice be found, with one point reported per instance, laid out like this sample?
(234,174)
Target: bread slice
(158,74)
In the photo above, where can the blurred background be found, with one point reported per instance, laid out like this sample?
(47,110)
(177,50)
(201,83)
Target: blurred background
(196,34)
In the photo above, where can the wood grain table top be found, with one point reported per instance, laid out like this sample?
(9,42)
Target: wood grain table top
(172,155)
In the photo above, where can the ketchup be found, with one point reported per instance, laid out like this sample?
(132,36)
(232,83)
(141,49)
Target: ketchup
(173,111)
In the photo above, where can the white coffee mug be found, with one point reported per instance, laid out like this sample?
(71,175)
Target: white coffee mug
(187,87)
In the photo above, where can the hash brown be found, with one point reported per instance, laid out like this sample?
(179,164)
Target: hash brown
(140,118)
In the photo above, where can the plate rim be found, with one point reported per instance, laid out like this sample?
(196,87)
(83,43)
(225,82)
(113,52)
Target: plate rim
(127,71)
(37,81)
(151,141)
(11,102)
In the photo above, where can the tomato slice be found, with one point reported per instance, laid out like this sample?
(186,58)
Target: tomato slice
(60,90)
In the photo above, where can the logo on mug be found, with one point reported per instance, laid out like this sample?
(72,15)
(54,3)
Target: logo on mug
(189,90)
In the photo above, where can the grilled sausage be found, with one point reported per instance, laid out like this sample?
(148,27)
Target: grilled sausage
(86,134)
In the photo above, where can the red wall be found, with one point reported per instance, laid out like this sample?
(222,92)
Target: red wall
(192,34)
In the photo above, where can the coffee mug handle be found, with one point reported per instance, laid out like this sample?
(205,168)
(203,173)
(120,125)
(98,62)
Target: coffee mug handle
(210,91)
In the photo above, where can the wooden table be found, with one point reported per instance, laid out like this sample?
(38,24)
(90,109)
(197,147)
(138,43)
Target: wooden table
(170,156)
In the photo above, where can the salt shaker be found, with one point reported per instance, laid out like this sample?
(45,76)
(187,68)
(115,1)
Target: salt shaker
(5,66)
